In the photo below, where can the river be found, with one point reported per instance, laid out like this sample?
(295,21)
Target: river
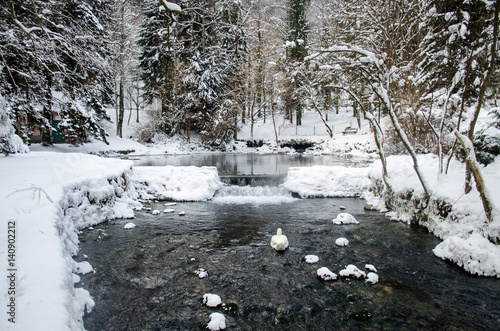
(146,278)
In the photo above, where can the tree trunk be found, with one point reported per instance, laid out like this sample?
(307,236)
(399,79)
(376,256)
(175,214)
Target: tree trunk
(119,120)
(482,92)
(409,148)
(472,164)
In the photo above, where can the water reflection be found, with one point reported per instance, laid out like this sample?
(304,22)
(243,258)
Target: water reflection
(248,164)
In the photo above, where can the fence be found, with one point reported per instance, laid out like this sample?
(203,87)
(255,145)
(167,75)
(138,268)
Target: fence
(317,130)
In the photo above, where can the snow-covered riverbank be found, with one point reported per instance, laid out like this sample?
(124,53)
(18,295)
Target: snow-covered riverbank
(47,197)
(457,218)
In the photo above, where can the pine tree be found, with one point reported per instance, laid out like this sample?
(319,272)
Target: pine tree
(212,47)
(296,44)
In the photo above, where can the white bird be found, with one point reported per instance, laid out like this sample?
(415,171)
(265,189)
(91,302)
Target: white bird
(279,241)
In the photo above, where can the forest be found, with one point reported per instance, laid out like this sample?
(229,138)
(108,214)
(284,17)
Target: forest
(420,72)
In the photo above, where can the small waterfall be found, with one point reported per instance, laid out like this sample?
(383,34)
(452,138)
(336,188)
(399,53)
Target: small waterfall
(252,189)
(253,180)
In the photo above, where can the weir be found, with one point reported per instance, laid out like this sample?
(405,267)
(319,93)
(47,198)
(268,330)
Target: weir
(253,180)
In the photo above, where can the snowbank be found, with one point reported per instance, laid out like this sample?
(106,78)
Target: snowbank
(177,183)
(47,197)
(451,215)
(327,181)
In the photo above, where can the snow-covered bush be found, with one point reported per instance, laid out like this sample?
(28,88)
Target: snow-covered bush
(10,142)
(487,141)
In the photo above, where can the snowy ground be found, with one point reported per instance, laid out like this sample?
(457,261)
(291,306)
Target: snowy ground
(46,197)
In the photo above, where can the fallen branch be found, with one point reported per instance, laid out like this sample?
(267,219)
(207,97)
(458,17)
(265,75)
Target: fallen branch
(36,191)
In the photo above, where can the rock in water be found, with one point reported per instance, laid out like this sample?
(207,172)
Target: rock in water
(217,322)
(211,300)
(325,274)
(341,242)
(311,259)
(129,226)
(344,218)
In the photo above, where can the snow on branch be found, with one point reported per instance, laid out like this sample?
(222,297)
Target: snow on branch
(25,29)
(170,7)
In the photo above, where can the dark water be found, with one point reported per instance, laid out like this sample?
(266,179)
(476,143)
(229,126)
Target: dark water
(145,277)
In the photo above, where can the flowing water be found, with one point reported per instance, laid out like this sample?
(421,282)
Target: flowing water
(146,278)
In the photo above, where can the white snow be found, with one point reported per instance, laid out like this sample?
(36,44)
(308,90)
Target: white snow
(172,7)
(344,218)
(370,267)
(311,259)
(341,242)
(129,226)
(325,274)
(169,211)
(352,271)
(177,183)
(156,212)
(372,277)
(327,181)
(82,268)
(211,300)
(475,254)
(46,195)
(217,322)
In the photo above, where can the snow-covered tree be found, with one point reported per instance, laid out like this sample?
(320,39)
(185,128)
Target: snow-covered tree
(53,53)
(296,51)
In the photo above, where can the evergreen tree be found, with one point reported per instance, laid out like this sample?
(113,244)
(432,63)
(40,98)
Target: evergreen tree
(296,45)
(157,59)
(212,47)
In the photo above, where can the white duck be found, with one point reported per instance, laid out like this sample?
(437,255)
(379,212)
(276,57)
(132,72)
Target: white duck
(279,241)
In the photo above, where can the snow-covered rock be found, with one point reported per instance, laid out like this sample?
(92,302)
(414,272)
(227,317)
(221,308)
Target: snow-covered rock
(177,183)
(352,271)
(311,259)
(370,267)
(217,322)
(341,242)
(325,274)
(169,211)
(156,212)
(211,300)
(129,226)
(475,254)
(344,218)
(82,268)
(182,213)
(327,181)
(372,277)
